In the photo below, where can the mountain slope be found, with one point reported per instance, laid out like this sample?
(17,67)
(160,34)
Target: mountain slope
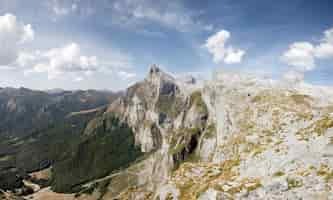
(23,110)
(235,137)
(36,127)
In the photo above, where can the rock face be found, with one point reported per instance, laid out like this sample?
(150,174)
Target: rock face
(156,107)
(234,137)
(271,142)
(168,122)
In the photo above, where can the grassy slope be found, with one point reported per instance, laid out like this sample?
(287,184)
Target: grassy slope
(109,148)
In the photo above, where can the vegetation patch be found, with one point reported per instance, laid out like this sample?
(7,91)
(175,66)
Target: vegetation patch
(198,102)
(294,183)
(193,180)
(170,105)
(278,174)
(210,131)
(325,172)
(111,147)
(317,128)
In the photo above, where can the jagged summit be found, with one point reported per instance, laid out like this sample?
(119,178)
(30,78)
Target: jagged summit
(154,69)
(156,74)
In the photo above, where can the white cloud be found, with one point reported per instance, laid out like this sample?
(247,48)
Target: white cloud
(25,59)
(234,56)
(126,75)
(60,11)
(325,49)
(328,36)
(166,13)
(55,62)
(303,55)
(13,34)
(69,60)
(294,76)
(216,45)
(63,7)
(300,55)
(78,79)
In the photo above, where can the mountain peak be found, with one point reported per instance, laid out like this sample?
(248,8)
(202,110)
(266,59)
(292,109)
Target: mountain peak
(154,69)
(156,74)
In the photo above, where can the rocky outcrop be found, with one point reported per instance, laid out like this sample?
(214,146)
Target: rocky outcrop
(235,137)
(155,108)
(271,142)
(168,123)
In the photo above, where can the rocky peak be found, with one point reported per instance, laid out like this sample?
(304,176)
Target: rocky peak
(156,75)
(154,69)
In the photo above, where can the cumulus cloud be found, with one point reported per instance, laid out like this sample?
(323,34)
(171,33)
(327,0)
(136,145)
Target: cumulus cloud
(13,34)
(300,55)
(69,59)
(216,45)
(325,49)
(233,56)
(303,55)
(57,61)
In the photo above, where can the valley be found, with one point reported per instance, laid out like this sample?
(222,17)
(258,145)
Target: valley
(234,137)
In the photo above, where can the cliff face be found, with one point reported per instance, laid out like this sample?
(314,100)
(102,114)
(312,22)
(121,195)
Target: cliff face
(156,108)
(168,119)
(271,142)
(232,137)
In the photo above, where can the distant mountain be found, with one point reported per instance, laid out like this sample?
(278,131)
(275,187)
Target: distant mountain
(55,91)
(24,111)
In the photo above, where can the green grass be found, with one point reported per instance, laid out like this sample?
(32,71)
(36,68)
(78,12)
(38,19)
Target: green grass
(111,147)
(196,100)
(294,183)
(278,174)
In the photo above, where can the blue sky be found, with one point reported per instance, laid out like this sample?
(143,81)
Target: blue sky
(109,44)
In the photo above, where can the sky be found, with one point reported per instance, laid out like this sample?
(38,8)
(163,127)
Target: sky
(110,44)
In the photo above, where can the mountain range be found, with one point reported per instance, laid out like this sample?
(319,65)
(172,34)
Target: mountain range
(236,136)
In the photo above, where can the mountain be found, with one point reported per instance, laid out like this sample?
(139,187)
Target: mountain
(236,136)
(23,110)
(35,125)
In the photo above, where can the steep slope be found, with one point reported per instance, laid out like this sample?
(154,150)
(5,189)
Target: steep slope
(168,118)
(109,148)
(272,142)
(36,127)
(234,137)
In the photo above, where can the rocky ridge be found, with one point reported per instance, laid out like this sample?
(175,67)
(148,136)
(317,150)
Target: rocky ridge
(235,137)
